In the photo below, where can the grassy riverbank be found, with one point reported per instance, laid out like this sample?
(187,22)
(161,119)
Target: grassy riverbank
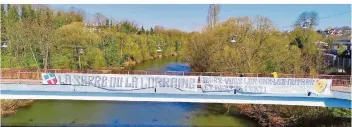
(218,115)
(74,44)
(306,116)
(9,106)
(129,63)
(252,52)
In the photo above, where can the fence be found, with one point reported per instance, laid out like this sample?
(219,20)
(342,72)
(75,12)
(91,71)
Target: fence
(337,80)
(338,62)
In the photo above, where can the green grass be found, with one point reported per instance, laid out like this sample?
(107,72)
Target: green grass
(341,112)
(219,120)
(215,116)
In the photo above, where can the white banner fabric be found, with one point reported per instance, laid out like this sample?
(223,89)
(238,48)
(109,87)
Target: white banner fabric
(254,85)
(121,81)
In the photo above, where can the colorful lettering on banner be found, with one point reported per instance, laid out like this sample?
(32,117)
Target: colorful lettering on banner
(125,82)
(49,79)
(242,85)
(255,85)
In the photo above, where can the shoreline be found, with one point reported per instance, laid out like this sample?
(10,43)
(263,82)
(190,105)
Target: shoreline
(129,63)
(262,114)
(9,107)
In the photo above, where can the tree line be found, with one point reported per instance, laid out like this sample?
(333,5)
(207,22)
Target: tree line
(259,47)
(39,37)
(256,45)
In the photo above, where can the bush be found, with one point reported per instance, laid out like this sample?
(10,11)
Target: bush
(9,107)
(280,115)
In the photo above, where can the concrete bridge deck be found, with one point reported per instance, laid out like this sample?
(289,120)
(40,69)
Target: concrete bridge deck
(34,82)
(68,92)
(17,87)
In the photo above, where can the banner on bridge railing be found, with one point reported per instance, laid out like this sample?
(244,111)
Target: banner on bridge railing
(260,85)
(215,84)
(121,81)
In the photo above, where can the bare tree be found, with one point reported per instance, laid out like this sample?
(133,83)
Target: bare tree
(213,15)
(309,19)
(100,19)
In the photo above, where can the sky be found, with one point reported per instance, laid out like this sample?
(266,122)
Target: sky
(191,17)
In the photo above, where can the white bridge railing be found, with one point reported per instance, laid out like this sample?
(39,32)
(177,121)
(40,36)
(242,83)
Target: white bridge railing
(27,76)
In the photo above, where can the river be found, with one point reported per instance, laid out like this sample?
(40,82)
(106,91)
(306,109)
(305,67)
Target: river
(93,113)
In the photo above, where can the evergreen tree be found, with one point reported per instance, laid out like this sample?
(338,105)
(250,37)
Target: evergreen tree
(27,12)
(142,30)
(151,30)
(107,23)
(12,14)
(2,21)
(147,32)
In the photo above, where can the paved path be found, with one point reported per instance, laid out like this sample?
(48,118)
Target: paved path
(32,89)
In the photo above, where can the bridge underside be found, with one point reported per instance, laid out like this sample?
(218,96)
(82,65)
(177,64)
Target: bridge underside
(339,99)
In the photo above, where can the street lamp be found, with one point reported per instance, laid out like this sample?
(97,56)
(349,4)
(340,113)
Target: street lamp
(3,44)
(80,51)
(159,49)
(233,39)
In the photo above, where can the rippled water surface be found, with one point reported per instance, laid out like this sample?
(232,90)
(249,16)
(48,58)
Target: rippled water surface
(60,112)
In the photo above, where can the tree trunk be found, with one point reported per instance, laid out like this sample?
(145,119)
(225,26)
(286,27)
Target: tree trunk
(36,62)
(46,58)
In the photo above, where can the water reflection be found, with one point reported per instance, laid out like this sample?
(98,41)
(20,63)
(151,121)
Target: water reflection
(109,113)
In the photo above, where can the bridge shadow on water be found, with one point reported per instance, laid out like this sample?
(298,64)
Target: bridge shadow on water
(154,114)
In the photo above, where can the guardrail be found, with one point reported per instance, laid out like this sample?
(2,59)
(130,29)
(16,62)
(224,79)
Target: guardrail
(337,80)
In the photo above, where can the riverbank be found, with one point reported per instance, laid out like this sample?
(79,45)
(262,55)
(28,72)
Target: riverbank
(90,113)
(303,116)
(130,63)
(9,107)
(122,113)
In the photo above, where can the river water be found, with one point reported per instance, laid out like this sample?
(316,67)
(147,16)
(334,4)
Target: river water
(113,113)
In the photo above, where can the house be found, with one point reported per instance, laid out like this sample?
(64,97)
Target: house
(323,46)
(336,32)
(94,29)
(346,45)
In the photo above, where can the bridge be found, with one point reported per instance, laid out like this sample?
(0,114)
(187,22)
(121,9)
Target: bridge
(208,87)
